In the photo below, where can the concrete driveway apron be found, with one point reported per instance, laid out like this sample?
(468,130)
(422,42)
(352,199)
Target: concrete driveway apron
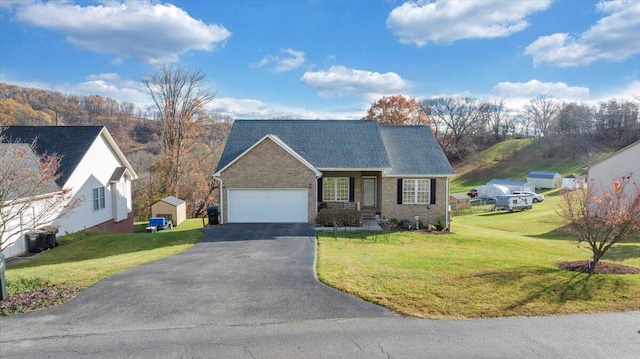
(237,275)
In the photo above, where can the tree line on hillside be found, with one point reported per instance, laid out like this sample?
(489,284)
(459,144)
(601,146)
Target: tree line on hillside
(463,125)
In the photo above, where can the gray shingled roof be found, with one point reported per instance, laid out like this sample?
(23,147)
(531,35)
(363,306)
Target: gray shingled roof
(413,150)
(339,144)
(69,142)
(346,144)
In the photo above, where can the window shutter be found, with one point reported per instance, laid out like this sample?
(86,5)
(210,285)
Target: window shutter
(319,189)
(399,190)
(432,191)
(352,189)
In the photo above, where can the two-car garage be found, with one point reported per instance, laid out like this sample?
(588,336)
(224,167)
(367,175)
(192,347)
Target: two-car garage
(268,205)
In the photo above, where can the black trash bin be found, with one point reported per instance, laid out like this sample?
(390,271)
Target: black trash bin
(36,242)
(214,214)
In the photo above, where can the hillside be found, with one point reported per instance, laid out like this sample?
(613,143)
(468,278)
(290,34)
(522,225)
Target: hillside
(513,159)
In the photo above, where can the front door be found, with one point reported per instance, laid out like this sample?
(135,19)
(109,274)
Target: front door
(369,189)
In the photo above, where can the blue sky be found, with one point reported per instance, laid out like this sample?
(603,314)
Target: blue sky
(327,59)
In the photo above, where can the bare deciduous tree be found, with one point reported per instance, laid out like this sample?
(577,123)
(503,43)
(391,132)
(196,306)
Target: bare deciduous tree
(462,117)
(29,196)
(602,217)
(180,101)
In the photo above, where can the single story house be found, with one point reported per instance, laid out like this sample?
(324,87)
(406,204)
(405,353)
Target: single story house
(545,179)
(92,168)
(573,182)
(284,170)
(513,185)
(170,208)
(624,162)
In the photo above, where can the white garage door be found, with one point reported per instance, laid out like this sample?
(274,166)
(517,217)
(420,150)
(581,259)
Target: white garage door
(268,205)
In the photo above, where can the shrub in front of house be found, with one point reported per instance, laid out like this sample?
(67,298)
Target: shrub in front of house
(341,218)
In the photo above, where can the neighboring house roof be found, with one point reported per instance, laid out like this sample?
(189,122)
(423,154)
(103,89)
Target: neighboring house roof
(172,201)
(345,145)
(325,144)
(9,151)
(508,182)
(637,143)
(540,174)
(71,143)
(414,150)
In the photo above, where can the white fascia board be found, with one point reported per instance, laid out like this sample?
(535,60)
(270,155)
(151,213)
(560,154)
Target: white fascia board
(353,169)
(114,146)
(278,142)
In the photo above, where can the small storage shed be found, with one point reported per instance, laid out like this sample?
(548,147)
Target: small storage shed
(545,179)
(572,182)
(513,185)
(170,208)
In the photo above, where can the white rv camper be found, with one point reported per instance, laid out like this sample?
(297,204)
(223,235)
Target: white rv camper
(514,202)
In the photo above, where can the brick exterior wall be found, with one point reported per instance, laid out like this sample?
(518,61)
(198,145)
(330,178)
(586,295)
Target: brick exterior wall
(124,226)
(429,214)
(269,166)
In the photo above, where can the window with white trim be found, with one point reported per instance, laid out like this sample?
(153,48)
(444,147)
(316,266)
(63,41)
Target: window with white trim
(335,189)
(416,191)
(98,198)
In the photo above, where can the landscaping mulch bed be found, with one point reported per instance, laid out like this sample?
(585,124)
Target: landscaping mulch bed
(37,299)
(601,267)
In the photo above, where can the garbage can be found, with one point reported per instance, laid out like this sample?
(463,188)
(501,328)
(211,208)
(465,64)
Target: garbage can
(3,281)
(36,242)
(213,214)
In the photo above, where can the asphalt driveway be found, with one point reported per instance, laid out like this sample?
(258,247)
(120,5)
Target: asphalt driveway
(237,275)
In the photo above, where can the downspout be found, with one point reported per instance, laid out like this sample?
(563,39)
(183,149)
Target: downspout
(221,199)
(447,209)
(316,209)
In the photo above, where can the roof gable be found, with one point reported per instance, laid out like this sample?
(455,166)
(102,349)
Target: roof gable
(325,144)
(278,142)
(71,143)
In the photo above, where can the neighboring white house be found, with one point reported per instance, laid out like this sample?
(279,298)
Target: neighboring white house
(513,185)
(92,167)
(624,162)
(545,179)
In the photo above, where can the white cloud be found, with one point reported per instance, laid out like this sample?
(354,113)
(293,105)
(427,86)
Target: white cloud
(256,109)
(151,33)
(615,37)
(288,60)
(341,81)
(420,22)
(517,94)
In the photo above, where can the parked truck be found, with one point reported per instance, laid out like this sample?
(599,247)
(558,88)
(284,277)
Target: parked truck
(513,202)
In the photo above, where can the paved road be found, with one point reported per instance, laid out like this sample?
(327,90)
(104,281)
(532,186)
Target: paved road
(249,291)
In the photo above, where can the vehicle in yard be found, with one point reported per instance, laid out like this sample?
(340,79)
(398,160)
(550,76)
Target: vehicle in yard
(473,193)
(158,223)
(491,191)
(513,202)
(536,197)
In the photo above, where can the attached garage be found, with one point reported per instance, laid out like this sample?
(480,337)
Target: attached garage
(268,205)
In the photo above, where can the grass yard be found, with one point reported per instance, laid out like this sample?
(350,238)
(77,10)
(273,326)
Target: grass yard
(493,265)
(84,258)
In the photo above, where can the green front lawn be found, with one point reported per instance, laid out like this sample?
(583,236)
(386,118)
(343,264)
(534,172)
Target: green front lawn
(493,265)
(86,257)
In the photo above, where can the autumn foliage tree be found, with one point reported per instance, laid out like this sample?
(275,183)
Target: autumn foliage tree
(29,195)
(397,110)
(602,217)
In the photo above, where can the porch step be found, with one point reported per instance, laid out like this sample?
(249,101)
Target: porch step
(369,212)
